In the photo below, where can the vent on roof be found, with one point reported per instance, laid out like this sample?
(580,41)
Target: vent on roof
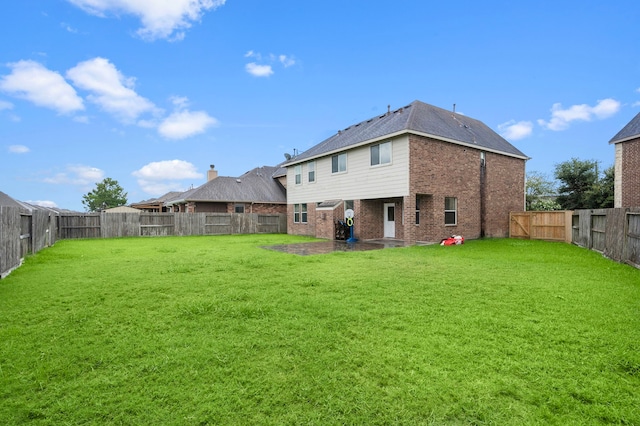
(238,180)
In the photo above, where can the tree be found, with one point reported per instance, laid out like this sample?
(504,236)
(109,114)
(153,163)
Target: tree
(107,194)
(581,185)
(540,192)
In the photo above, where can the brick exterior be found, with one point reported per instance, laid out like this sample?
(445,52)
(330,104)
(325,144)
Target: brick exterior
(630,181)
(441,169)
(308,228)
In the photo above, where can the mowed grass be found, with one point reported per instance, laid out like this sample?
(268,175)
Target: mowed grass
(216,330)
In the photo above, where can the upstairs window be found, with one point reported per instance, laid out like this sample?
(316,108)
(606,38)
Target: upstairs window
(339,163)
(450,211)
(311,170)
(381,154)
(298,174)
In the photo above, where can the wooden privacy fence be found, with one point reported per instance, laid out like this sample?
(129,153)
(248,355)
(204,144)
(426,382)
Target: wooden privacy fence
(541,225)
(23,232)
(111,225)
(613,232)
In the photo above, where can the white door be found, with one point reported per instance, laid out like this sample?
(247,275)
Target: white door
(389,220)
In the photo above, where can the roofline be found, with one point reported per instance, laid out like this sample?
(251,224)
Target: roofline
(173,202)
(624,139)
(400,133)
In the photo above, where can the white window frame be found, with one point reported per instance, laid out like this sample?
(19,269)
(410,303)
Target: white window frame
(300,214)
(297,170)
(311,171)
(450,210)
(341,159)
(382,156)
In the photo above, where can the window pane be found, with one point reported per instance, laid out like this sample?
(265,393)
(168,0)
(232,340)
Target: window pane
(304,213)
(298,172)
(312,171)
(449,218)
(449,203)
(385,153)
(342,162)
(239,208)
(296,213)
(334,164)
(375,155)
(390,213)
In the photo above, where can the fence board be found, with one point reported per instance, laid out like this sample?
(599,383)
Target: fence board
(11,253)
(613,232)
(632,240)
(541,225)
(79,226)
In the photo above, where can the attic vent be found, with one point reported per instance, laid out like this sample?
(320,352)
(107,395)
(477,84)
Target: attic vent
(238,180)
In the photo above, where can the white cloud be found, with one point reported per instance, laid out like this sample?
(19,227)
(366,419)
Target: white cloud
(515,131)
(287,61)
(259,70)
(160,18)
(30,80)
(160,177)
(561,118)
(18,149)
(5,105)
(77,175)
(265,70)
(109,89)
(183,124)
(43,203)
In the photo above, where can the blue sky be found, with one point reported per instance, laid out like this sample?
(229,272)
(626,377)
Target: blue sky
(151,92)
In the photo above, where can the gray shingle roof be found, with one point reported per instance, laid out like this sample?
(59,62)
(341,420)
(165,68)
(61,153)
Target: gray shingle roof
(256,185)
(630,131)
(420,118)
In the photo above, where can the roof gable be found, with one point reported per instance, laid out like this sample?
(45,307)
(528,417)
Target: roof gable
(630,131)
(419,118)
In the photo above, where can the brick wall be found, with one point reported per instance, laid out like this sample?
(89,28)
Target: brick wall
(631,173)
(308,228)
(441,169)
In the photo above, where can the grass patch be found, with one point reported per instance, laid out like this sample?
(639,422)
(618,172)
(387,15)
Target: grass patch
(216,330)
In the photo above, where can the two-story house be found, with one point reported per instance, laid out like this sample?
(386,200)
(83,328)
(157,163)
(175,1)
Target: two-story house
(419,173)
(627,165)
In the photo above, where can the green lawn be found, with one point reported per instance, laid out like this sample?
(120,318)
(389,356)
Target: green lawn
(216,330)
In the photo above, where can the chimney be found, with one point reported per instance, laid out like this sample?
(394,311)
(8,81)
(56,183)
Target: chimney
(212,173)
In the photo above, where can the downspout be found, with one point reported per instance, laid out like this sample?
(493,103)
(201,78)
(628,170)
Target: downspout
(483,193)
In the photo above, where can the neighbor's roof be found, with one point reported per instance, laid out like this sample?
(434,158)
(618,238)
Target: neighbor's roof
(257,185)
(418,118)
(630,131)
(154,201)
(122,209)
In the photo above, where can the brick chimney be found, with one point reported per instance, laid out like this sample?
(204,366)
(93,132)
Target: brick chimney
(212,173)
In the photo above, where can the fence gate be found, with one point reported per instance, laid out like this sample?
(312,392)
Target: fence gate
(541,225)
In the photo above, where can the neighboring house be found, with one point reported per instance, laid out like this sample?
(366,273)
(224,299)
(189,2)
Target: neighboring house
(256,191)
(627,165)
(419,173)
(156,205)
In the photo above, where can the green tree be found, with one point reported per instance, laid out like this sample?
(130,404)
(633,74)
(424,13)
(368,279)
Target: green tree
(581,185)
(107,194)
(540,192)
